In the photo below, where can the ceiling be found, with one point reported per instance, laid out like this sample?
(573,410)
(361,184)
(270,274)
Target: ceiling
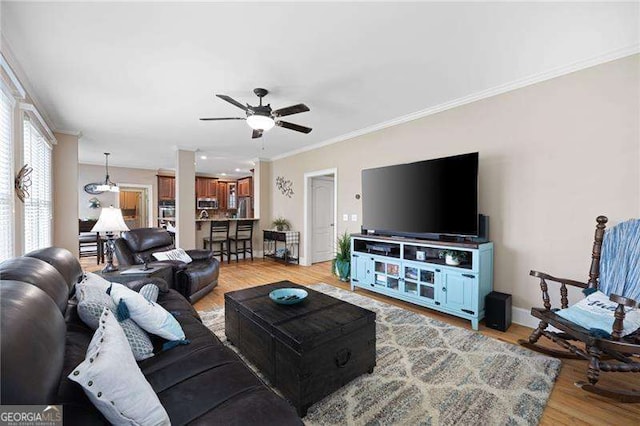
(135,77)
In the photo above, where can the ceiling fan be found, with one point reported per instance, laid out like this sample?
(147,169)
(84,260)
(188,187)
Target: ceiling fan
(261,117)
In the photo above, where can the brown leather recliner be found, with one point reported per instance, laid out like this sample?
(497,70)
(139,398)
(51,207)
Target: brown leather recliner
(193,280)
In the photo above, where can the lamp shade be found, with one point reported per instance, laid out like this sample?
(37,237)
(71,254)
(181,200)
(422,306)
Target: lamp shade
(110,220)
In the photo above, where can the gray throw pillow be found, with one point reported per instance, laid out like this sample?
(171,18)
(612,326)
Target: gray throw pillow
(150,292)
(92,300)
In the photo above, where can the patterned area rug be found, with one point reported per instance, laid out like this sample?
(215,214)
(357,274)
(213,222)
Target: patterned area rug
(431,373)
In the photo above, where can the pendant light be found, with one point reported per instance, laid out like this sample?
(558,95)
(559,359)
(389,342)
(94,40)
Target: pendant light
(107,186)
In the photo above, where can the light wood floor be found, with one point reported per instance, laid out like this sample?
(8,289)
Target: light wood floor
(567,405)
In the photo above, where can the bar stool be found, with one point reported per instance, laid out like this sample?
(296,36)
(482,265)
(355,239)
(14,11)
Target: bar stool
(244,234)
(218,234)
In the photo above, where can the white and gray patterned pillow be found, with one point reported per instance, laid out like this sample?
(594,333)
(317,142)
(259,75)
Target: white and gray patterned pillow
(93,300)
(149,292)
(113,381)
(175,254)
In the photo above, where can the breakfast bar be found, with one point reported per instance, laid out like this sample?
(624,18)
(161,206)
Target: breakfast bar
(204,229)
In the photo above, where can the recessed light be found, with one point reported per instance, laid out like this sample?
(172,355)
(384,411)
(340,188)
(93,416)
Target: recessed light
(237,170)
(223,174)
(203,157)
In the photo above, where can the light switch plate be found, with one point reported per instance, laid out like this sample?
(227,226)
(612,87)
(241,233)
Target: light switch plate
(345,217)
(354,218)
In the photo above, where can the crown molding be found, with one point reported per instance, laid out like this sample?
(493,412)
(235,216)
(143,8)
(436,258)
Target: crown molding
(76,133)
(498,90)
(119,166)
(186,148)
(259,159)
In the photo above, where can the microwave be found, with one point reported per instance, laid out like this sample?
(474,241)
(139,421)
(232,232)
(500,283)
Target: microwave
(207,203)
(167,212)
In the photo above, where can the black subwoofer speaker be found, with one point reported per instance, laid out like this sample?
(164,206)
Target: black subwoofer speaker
(497,311)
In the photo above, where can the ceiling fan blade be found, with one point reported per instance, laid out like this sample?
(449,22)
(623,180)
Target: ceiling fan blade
(232,101)
(257,133)
(294,109)
(292,126)
(223,118)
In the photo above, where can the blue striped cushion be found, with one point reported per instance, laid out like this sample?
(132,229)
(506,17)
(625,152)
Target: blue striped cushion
(149,292)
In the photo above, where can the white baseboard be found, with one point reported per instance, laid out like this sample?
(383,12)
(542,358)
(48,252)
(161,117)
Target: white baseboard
(523,317)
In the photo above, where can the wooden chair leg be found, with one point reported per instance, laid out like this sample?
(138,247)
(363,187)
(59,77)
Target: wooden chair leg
(593,372)
(251,248)
(531,343)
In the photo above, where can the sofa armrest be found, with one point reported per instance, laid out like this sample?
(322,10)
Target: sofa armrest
(198,254)
(175,264)
(136,285)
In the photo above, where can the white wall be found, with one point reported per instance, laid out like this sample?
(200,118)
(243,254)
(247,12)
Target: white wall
(553,156)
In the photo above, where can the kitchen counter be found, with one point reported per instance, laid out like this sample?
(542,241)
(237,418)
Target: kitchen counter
(227,218)
(202,225)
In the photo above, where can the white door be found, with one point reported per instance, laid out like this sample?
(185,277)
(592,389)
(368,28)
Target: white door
(322,225)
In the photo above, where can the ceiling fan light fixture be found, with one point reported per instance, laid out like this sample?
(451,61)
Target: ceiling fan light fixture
(260,122)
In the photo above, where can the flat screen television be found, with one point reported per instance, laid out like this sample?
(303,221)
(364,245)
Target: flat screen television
(425,199)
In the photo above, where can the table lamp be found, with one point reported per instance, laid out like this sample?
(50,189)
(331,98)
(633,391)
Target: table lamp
(110,222)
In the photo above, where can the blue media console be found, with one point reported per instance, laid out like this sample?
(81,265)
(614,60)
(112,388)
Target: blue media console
(416,271)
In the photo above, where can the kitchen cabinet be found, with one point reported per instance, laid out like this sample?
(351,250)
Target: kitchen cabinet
(129,200)
(206,187)
(232,200)
(166,188)
(223,194)
(245,187)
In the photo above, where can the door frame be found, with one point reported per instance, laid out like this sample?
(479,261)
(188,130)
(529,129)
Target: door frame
(308,235)
(149,189)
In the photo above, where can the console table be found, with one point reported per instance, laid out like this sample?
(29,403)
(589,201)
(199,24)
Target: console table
(289,252)
(414,271)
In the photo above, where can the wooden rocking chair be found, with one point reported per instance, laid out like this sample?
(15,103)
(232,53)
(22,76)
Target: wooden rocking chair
(614,354)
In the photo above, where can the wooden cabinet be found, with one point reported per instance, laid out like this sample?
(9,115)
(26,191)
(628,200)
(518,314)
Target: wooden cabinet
(245,187)
(129,200)
(223,195)
(232,200)
(166,188)
(206,187)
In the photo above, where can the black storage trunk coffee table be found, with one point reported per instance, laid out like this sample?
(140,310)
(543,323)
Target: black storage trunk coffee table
(307,350)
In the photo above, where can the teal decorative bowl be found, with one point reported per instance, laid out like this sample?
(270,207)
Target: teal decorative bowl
(288,296)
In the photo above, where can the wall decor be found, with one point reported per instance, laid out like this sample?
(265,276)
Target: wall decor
(94,203)
(23,182)
(285,186)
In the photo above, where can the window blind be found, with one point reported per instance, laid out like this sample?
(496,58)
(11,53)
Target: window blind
(38,207)
(6,178)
